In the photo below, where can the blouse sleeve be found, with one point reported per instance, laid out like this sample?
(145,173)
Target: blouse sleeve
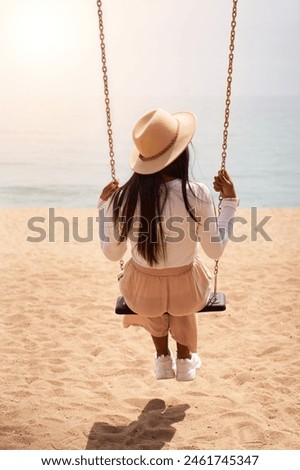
(108,233)
(213,231)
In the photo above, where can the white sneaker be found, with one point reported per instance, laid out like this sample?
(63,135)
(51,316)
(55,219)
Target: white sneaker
(186,368)
(164,367)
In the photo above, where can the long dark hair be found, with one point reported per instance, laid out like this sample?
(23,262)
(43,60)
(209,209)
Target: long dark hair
(150,192)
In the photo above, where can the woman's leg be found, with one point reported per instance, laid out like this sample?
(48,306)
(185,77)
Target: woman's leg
(164,363)
(158,327)
(184,330)
(183,352)
(161,345)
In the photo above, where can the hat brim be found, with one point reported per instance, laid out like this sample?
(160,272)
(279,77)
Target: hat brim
(186,132)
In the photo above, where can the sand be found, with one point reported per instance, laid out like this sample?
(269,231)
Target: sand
(72,377)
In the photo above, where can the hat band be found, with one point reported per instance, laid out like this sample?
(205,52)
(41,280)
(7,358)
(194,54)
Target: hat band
(159,154)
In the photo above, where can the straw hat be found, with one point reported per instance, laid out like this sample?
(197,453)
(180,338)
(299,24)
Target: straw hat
(160,138)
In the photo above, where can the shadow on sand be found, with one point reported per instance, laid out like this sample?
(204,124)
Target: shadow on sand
(152,429)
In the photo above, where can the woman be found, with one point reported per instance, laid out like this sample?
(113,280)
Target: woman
(166,219)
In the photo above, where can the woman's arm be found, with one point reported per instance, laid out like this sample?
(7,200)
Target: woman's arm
(214,232)
(108,233)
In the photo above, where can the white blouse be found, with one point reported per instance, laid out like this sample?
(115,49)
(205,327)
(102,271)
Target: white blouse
(183,235)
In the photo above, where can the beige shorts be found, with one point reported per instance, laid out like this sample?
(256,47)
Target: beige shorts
(184,330)
(178,291)
(166,299)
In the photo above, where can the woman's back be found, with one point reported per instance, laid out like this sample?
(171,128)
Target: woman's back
(179,228)
(182,234)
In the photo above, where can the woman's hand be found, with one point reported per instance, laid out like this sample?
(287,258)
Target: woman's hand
(109,190)
(224,184)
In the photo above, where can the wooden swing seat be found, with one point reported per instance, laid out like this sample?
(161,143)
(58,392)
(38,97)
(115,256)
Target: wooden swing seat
(216,303)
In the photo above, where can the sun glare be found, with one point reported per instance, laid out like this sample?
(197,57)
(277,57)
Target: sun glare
(40,30)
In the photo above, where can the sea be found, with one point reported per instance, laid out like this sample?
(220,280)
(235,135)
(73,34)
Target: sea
(54,153)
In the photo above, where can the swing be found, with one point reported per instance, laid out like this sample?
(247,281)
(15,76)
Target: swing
(217,300)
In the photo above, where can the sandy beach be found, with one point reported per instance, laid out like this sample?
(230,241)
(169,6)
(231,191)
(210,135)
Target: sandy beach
(72,377)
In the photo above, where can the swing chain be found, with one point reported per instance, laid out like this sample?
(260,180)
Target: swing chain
(106,93)
(107,102)
(227,111)
(228,89)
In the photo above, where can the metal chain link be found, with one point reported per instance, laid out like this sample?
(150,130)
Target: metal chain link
(107,102)
(228,90)
(106,93)
(227,113)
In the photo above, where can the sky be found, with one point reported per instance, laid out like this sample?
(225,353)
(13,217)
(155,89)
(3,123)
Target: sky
(50,48)
(160,53)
